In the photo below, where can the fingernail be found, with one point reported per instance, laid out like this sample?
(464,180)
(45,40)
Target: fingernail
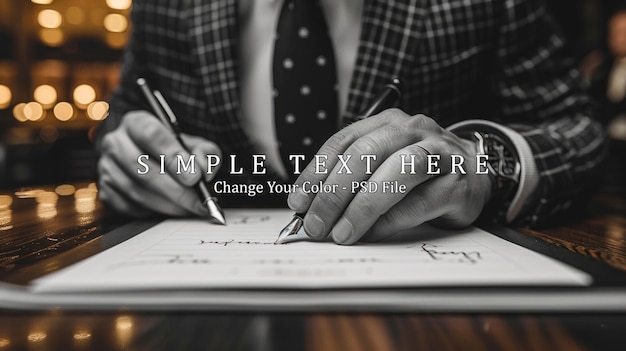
(190,178)
(314,226)
(343,231)
(297,201)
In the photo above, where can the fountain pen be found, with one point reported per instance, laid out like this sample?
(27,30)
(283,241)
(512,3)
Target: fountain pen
(390,93)
(164,112)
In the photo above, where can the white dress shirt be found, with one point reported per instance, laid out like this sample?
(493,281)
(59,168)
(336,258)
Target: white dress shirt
(258,19)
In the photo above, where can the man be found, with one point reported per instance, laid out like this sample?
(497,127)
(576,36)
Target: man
(491,71)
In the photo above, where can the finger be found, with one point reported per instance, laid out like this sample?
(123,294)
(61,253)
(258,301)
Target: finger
(430,200)
(203,148)
(117,200)
(366,207)
(142,196)
(327,207)
(158,192)
(154,138)
(335,145)
(113,197)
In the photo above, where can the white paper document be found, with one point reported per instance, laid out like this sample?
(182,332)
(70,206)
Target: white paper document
(193,254)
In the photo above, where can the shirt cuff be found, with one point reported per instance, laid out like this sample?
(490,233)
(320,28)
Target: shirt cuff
(529,177)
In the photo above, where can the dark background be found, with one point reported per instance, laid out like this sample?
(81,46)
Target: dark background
(37,147)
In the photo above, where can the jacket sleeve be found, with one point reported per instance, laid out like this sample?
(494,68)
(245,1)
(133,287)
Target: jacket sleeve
(543,98)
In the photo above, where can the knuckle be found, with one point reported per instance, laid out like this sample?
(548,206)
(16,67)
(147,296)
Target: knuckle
(421,121)
(415,149)
(214,149)
(393,131)
(415,123)
(365,145)
(173,153)
(462,187)
(386,220)
(148,130)
(130,119)
(418,206)
(329,201)
(431,123)
(171,162)
(108,143)
(367,208)
(336,143)
(393,112)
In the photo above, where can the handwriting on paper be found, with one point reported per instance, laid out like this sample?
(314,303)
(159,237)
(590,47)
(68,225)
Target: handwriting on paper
(452,255)
(194,254)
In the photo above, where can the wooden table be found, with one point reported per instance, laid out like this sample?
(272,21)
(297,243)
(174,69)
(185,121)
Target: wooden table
(36,225)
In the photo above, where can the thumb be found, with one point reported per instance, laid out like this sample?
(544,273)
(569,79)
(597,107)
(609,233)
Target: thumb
(208,156)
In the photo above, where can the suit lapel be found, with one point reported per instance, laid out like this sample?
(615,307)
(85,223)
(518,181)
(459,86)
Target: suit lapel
(214,31)
(388,34)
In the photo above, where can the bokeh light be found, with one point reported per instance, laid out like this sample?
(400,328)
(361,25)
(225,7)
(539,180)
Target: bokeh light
(46,95)
(36,336)
(49,18)
(47,198)
(65,190)
(42,2)
(28,194)
(5,201)
(5,96)
(4,342)
(119,4)
(98,110)
(85,200)
(123,323)
(63,111)
(84,95)
(116,40)
(75,15)
(82,335)
(18,112)
(46,211)
(33,111)
(6,217)
(46,204)
(51,37)
(116,23)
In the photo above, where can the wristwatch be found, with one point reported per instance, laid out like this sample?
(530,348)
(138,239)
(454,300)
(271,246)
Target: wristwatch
(503,164)
(511,165)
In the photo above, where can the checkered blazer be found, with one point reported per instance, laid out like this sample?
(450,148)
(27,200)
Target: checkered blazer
(499,60)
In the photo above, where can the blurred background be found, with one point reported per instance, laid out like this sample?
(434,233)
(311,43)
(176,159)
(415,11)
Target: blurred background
(59,64)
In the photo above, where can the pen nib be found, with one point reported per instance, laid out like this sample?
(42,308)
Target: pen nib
(216,215)
(291,232)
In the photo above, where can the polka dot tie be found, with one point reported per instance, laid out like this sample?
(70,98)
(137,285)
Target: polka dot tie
(305,80)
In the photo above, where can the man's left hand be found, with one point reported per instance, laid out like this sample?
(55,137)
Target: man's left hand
(446,200)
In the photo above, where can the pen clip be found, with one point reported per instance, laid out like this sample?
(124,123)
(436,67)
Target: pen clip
(166,107)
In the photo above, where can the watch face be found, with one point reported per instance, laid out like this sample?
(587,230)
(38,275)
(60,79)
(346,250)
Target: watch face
(501,158)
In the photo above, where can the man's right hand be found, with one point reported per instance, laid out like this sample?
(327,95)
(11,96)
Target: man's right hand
(125,190)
